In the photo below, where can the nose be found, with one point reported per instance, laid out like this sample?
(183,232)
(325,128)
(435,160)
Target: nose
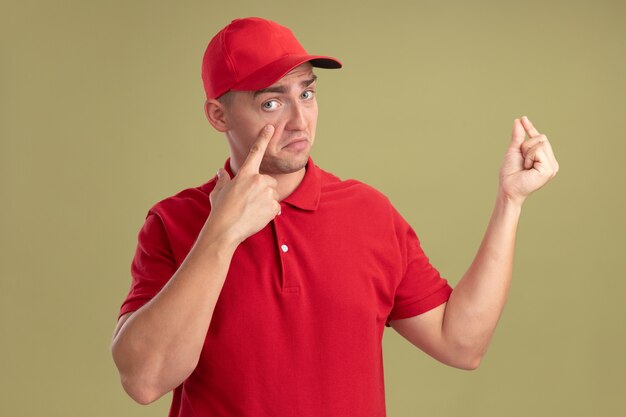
(297,117)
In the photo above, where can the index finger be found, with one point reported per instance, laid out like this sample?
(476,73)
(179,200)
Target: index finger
(528,126)
(255,156)
(518,135)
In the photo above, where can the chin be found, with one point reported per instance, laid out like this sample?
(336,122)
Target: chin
(284,166)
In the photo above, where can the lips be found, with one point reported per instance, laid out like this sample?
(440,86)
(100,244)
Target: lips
(298,143)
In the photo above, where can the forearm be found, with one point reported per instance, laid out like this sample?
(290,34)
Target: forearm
(159,345)
(458,332)
(477,301)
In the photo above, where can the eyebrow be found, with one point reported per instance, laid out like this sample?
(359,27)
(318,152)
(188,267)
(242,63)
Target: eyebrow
(283,89)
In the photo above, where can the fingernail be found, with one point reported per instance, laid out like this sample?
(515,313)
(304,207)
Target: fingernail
(268,128)
(219,172)
(524,117)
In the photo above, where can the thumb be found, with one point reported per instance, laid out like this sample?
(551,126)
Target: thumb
(517,137)
(223,178)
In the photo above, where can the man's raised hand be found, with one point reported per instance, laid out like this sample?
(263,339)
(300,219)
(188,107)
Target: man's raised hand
(528,164)
(243,205)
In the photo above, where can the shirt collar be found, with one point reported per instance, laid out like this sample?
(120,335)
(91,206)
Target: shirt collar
(307,195)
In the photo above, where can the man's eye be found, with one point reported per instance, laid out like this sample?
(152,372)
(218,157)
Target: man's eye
(270,105)
(308,94)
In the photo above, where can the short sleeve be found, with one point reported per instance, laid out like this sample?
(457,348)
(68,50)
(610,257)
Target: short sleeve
(421,288)
(152,266)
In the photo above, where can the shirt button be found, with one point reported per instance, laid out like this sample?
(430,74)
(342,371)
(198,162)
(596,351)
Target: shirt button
(284,248)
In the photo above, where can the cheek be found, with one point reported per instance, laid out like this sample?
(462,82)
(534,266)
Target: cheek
(313,117)
(249,128)
(265,117)
(277,119)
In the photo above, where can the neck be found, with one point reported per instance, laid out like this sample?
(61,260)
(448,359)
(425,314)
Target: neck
(287,183)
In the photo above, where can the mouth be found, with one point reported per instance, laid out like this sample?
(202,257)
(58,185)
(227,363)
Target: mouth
(297,144)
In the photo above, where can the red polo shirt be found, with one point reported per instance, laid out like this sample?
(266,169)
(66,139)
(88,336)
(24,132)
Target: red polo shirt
(297,329)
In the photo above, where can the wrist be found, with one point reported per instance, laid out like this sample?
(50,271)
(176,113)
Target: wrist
(223,240)
(508,203)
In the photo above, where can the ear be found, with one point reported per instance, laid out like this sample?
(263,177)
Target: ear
(215,114)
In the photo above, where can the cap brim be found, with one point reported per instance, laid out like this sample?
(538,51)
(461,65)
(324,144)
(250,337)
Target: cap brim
(274,71)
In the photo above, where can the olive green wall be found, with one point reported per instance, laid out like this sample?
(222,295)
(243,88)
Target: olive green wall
(101,116)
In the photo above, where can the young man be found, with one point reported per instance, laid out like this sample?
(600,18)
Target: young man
(265,291)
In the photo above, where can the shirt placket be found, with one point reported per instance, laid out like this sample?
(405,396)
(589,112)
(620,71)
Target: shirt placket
(286,253)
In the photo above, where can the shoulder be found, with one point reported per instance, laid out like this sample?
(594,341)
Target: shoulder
(175,221)
(188,202)
(363,202)
(354,192)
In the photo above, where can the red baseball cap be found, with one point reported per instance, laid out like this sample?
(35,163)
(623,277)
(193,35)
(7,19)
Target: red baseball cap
(251,54)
